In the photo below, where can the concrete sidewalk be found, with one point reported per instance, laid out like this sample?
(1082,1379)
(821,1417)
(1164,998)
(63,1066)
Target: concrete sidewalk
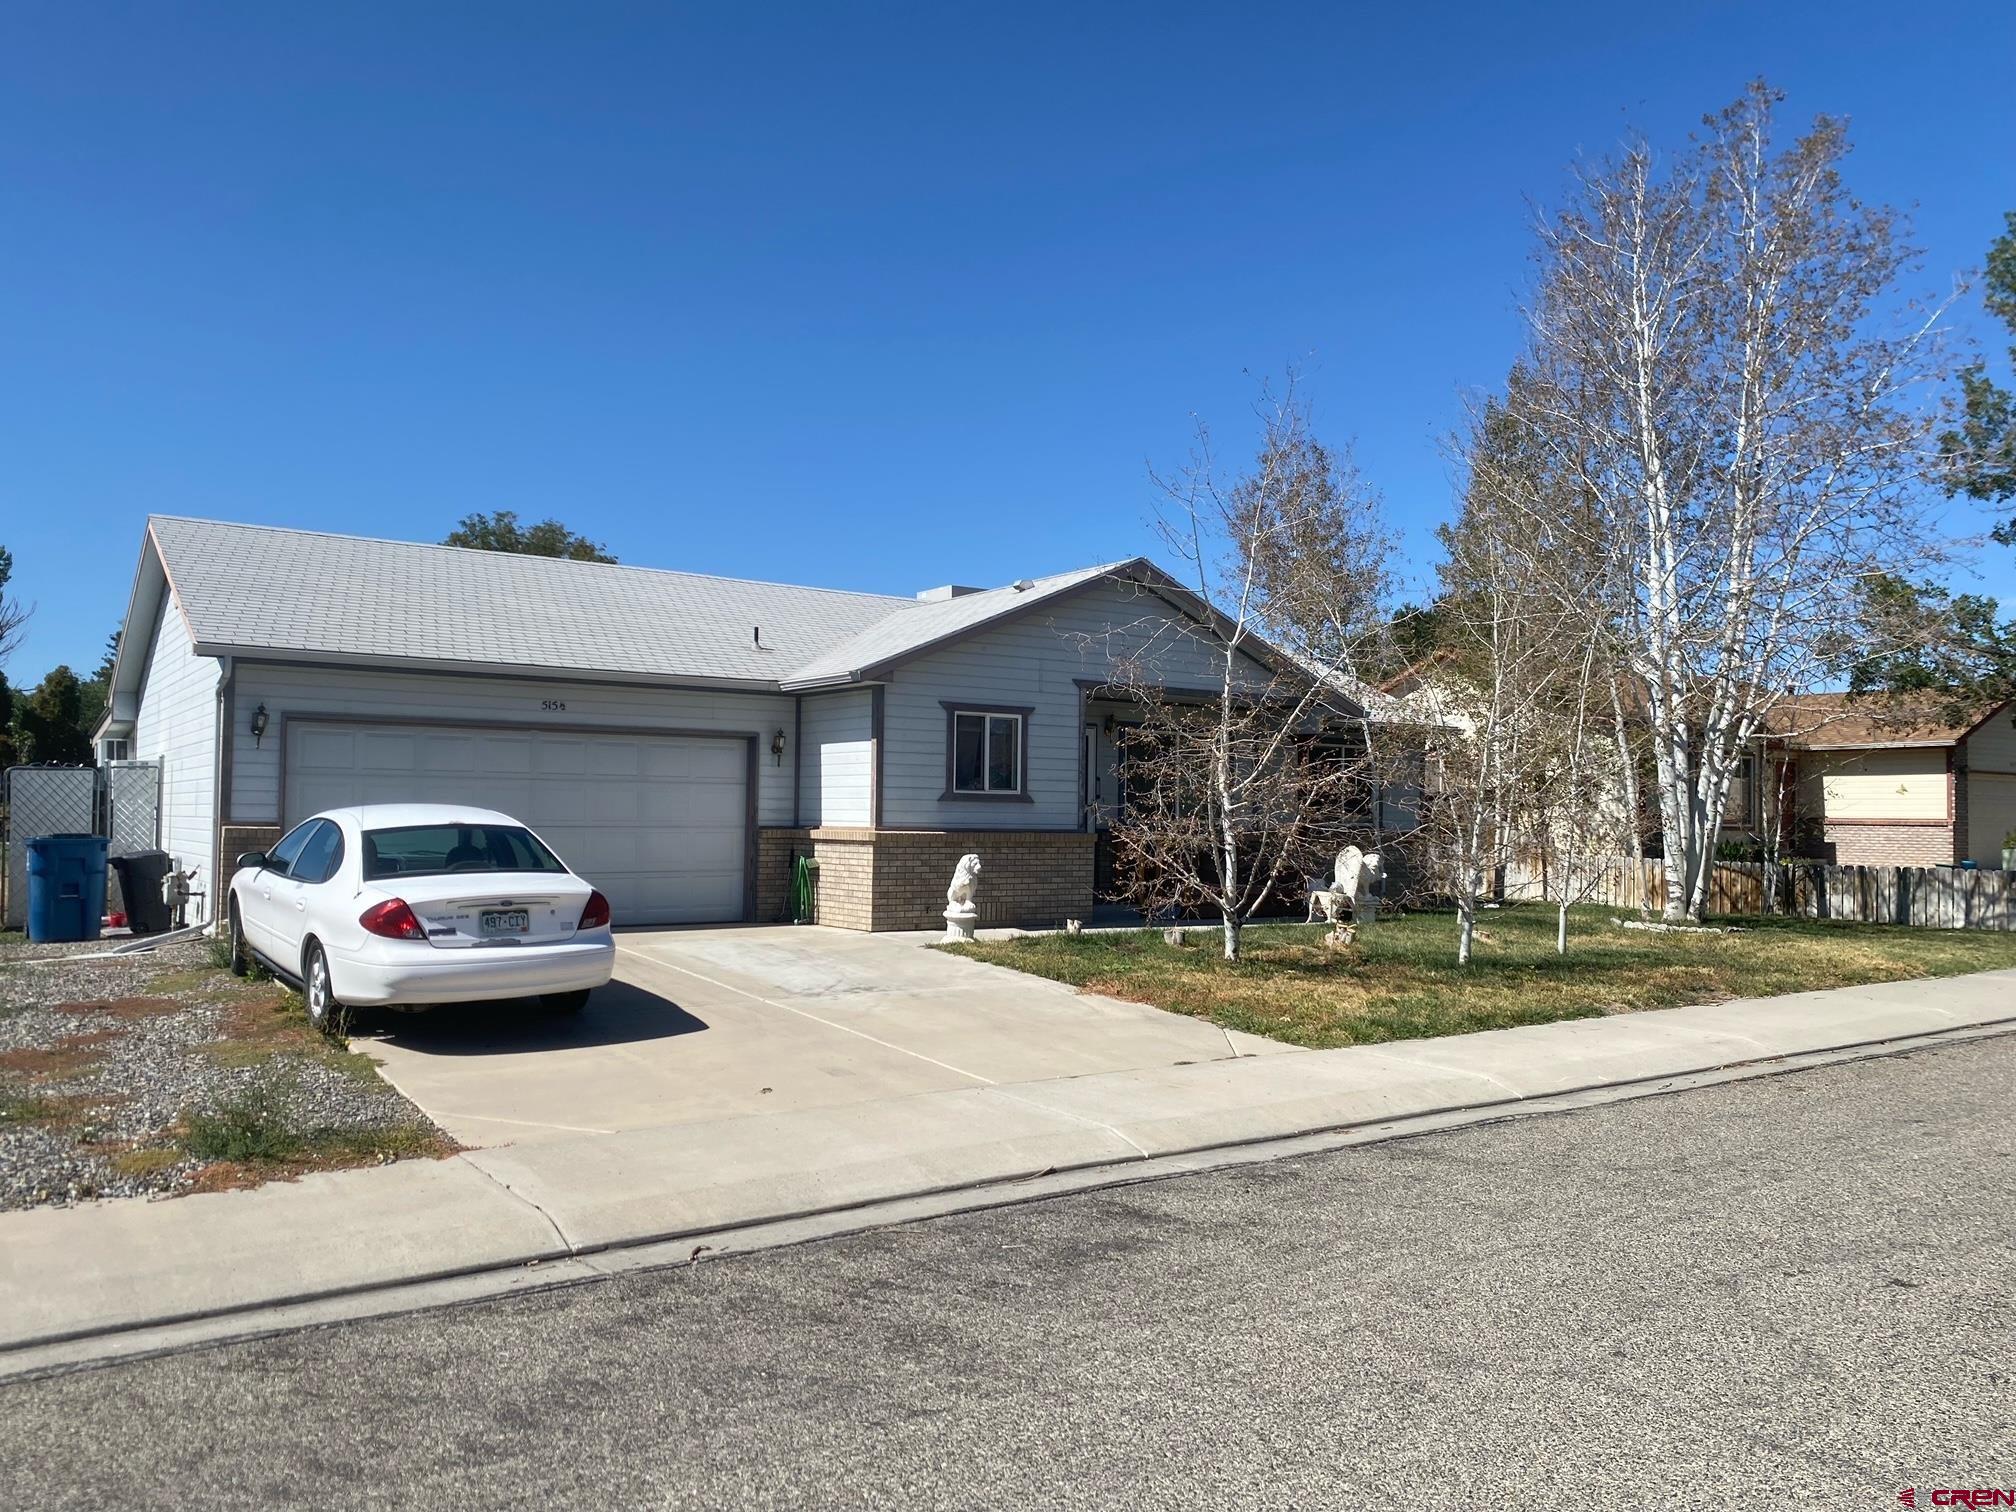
(97,1270)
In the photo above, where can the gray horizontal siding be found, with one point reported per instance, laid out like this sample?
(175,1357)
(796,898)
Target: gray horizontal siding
(324,691)
(1035,662)
(836,762)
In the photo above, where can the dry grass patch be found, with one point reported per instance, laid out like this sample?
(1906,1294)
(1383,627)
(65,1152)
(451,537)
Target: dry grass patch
(1401,980)
(48,1112)
(70,1056)
(148,1160)
(128,1008)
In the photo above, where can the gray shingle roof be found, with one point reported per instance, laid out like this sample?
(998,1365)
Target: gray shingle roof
(261,588)
(254,587)
(901,635)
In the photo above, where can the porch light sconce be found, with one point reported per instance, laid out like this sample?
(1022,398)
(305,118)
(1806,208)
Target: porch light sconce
(777,747)
(1109,724)
(258,725)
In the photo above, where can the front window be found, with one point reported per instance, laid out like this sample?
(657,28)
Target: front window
(432,849)
(986,752)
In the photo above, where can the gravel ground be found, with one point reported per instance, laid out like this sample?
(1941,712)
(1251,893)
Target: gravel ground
(101,1060)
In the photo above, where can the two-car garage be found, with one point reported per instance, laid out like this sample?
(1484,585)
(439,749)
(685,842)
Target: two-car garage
(660,822)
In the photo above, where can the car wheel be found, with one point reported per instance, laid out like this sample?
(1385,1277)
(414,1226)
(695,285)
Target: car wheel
(234,940)
(324,1012)
(566,1002)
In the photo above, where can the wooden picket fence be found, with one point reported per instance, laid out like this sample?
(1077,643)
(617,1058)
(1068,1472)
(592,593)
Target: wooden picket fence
(1924,897)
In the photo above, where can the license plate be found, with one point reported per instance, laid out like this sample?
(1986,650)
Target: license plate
(505,921)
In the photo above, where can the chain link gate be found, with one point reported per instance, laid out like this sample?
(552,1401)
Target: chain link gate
(121,802)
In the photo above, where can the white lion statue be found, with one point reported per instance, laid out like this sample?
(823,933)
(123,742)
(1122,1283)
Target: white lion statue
(961,912)
(964,879)
(1352,882)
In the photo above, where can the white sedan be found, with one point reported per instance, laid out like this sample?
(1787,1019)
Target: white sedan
(406,904)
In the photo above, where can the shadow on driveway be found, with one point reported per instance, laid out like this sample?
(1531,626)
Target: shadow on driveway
(619,1014)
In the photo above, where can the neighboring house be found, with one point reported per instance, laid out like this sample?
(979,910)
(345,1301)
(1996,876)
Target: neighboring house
(1869,779)
(1888,780)
(677,737)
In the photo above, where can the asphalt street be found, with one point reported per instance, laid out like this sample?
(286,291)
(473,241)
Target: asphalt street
(1789,1291)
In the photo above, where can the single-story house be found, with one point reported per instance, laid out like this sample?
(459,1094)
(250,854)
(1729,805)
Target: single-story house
(1878,779)
(1886,780)
(677,737)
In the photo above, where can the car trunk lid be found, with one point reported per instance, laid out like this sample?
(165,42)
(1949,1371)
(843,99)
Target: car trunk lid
(468,910)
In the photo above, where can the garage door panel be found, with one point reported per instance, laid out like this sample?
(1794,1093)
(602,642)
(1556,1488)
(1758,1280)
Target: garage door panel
(320,746)
(383,751)
(454,754)
(560,756)
(667,761)
(720,761)
(657,822)
(614,801)
(613,758)
(504,756)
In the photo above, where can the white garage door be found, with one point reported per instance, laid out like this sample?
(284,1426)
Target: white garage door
(1991,814)
(658,822)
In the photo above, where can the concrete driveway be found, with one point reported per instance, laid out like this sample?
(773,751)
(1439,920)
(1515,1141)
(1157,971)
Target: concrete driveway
(720,1023)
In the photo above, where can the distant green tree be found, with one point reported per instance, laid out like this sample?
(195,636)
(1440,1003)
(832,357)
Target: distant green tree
(98,690)
(8,756)
(48,723)
(1934,640)
(1983,450)
(502,532)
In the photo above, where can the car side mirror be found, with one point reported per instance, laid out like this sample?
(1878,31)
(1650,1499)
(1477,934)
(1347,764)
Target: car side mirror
(251,859)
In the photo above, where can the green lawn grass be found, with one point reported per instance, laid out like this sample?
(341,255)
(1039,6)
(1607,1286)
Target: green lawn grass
(1401,980)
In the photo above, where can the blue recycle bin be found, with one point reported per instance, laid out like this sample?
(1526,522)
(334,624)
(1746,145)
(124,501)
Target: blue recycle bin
(66,887)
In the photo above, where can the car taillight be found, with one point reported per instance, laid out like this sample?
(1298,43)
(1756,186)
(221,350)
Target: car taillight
(596,913)
(392,920)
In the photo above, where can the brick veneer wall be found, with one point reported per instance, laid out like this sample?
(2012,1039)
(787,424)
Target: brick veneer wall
(896,879)
(1890,844)
(844,886)
(774,850)
(236,839)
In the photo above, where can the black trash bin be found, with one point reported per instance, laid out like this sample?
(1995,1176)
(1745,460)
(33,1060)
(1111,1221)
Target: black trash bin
(140,878)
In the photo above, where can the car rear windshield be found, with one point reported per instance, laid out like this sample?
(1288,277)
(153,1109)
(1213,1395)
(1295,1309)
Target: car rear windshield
(424,849)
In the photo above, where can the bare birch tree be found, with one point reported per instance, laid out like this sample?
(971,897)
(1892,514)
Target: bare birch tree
(13,613)
(1244,785)
(1719,358)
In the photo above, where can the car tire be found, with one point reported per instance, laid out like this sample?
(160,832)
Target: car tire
(566,1002)
(318,992)
(234,938)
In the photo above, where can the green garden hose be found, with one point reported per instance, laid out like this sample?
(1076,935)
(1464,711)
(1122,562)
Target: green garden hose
(801,889)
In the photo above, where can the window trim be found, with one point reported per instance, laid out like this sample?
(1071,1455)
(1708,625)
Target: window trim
(1022,715)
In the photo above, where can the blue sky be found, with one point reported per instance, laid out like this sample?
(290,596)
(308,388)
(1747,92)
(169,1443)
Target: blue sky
(873,297)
